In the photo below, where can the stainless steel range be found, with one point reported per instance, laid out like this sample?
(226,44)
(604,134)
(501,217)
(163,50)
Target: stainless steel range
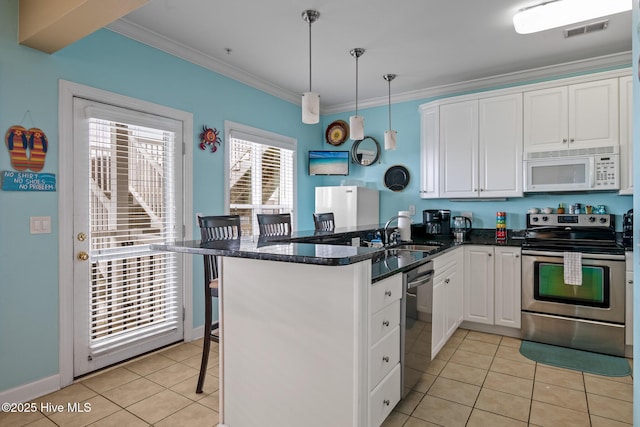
(584,306)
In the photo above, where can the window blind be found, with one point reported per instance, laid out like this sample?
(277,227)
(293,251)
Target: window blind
(261,177)
(133,291)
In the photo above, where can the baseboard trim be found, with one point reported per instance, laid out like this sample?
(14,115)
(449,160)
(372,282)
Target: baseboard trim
(195,333)
(30,391)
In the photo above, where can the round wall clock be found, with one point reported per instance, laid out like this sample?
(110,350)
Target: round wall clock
(337,132)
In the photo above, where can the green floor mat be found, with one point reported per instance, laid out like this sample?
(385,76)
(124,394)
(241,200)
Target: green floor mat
(578,360)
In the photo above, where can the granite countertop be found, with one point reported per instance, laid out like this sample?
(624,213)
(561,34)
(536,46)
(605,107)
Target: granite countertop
(310,247)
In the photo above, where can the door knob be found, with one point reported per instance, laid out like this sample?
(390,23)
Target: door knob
(83,256)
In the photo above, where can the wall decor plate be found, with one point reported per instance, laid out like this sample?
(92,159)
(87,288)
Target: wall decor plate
(396,178)
(337,132)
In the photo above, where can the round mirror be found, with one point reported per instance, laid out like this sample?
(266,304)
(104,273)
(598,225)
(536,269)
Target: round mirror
(365,151)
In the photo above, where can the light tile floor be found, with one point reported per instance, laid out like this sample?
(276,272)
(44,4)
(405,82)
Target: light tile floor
(478,380)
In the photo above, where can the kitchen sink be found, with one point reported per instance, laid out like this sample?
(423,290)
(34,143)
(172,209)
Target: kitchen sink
(418,247)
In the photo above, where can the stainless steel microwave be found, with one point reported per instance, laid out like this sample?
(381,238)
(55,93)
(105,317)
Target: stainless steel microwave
(586,169)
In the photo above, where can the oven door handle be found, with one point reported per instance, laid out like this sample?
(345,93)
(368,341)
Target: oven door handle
(612,257)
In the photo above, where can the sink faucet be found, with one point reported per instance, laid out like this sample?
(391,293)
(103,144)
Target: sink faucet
(394,237)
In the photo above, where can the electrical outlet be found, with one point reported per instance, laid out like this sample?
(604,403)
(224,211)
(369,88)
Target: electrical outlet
(468,215)
(412,209)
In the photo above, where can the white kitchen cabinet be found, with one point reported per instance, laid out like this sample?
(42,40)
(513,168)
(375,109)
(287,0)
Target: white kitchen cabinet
(581,115)
(628,331)
(479,144)
(459,149)
(508,286)
(492,285)
(626,135)
(446,306)
(430,152)
(500,146)
(478,284)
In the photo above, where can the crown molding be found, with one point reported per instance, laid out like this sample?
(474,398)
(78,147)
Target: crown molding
(150,38)
(155,40)
(600,63)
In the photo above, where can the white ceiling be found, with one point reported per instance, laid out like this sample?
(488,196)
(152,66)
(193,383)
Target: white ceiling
(429,44)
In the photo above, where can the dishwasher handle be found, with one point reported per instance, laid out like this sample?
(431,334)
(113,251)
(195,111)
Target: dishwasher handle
(421,280)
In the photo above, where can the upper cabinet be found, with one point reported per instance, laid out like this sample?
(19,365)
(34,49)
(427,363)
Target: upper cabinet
(574,116)
(626,135)
(473,148)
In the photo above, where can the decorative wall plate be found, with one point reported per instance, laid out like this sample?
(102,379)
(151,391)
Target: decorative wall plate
(337,132)
(396,178)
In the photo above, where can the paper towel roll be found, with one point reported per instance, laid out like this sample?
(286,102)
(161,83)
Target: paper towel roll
(404,225)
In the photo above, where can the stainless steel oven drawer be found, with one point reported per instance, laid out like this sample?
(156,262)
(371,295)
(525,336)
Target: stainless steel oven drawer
(586,335)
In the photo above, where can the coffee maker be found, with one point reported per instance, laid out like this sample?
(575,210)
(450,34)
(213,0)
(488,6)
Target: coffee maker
(436,221)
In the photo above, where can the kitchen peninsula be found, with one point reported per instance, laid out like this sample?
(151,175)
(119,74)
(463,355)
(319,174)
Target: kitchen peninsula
(295,333)
(300,322)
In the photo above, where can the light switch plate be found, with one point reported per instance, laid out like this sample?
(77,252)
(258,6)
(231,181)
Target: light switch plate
(412,210)
(40,224)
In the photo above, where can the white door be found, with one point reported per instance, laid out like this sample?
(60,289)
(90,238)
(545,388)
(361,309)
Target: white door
(459,149)
(593,114)
(478,284)
(127,181)
(500,146)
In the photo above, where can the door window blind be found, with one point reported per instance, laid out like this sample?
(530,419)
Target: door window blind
(133,291)
(261,177)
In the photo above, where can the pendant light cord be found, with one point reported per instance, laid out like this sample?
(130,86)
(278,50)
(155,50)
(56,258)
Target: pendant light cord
(310,55)
(356,86)
(389,81)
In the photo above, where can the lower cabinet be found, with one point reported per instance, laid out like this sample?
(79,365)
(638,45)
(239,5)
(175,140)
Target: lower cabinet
(492,285)
(446,306)
(384,377)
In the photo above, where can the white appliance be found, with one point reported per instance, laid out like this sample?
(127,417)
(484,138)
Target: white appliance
(584,169)
(351,205)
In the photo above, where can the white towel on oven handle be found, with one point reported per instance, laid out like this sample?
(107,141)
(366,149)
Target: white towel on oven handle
(573,268)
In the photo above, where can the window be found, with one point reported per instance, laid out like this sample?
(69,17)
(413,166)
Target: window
(261,172)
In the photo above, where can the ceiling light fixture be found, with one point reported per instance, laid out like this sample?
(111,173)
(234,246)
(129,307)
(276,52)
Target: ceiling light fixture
(310,100)
(390,135)
(557,13)
(356,123)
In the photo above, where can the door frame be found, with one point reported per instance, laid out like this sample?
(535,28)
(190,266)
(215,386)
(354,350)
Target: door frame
(67,91)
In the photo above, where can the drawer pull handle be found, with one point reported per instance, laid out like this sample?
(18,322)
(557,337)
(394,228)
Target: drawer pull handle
(385,323)
(385,359)
(386,402)
(387,293)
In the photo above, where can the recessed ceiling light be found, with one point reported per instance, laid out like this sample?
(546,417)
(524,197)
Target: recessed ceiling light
(557,13)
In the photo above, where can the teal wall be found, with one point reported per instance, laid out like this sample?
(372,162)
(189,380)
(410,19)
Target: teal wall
(29,332)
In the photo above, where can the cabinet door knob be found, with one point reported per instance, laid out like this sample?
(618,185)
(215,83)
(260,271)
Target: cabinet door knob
(517,256)
(447,280)
(572,140)
(489,254)
(630,282)
(387,293)
(564,140)
(386,402)
(385,323)
(385,359)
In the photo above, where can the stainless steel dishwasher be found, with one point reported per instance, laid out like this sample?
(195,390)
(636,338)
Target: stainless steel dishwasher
(415,332)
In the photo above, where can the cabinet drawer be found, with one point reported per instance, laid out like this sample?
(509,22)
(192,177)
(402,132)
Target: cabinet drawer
(384,356)
(385,292)
(383,322)
(384,397)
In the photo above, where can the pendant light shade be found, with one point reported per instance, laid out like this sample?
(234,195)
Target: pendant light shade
(390,135)
(356,123)
(310,99)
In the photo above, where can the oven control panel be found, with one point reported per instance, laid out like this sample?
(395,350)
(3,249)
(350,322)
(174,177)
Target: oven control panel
(577,220)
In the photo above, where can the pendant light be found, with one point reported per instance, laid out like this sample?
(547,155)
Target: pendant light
(390,135)
(310,100)
(356,123)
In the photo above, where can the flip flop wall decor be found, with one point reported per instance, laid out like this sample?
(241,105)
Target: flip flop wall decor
(27,148)
(16,141)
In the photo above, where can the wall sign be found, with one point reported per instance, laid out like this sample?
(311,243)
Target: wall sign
(28,181)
